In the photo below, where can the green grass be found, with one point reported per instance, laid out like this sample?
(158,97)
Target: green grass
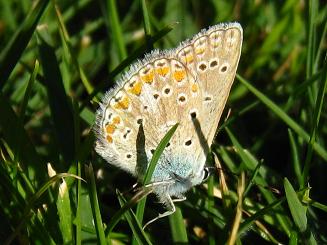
(57,58)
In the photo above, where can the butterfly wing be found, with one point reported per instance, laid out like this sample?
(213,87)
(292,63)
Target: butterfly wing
(188,85)
(213,56)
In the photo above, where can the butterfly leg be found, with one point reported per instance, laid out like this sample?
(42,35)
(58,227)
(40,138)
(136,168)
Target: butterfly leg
(171,209)
(179,199)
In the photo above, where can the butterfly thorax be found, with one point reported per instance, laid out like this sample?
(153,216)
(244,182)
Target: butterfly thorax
(175,175)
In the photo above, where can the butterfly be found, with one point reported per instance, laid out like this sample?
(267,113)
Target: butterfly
(188,85)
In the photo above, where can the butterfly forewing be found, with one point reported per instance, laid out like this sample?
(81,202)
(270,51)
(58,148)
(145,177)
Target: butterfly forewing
(213,56)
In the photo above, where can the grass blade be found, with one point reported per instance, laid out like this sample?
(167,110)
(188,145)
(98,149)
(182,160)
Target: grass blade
(139,234)
(11,53)
(61,109)
(95,205)
(297,209)
(28,91)
(147,24)
(177,227)
(16,137)
(315,122)
(152,165)
(282,115)
(117,35)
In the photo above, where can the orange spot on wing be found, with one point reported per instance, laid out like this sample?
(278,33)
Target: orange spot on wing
(116,120)
(179,75)
(148,78)
(136,88)
(110,128)
(109,139)
(122,104)
(162,71)
(194,87)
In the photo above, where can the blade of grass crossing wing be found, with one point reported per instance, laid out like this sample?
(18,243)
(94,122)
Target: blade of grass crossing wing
(152,165)
(157,153)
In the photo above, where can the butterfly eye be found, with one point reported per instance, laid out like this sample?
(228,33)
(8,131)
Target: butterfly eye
(205,173)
